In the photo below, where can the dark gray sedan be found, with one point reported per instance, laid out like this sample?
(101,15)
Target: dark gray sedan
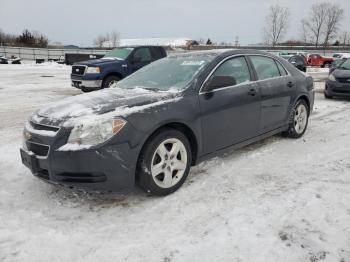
(157,123)
(338,83)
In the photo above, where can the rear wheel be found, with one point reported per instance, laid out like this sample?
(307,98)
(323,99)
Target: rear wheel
(298,120)
(164,162)
(109,81)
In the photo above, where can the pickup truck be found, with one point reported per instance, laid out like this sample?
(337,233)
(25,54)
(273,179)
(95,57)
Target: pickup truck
(318,60)
(114,66)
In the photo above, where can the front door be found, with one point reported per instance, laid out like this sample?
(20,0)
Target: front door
(230,114)
(141,57)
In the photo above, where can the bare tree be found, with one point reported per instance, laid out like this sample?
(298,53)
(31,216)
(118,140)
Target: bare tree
(334,15)
(114,38)
(305,32)
(109,40)
(100,40)
(344,38)
(317,20)
(277,22)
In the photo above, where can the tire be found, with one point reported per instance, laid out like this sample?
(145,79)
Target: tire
(157,172)
(109,81)
(298,120)
(327,96)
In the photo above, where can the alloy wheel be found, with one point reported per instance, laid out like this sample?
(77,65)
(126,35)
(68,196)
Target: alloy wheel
(169,163)
(300,118)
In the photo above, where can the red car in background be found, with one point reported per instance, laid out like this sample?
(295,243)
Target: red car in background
(318,60)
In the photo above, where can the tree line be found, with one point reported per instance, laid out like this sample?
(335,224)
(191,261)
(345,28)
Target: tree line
(322,26)
(26,39)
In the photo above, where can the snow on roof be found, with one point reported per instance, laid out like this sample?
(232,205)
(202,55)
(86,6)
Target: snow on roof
(173,42)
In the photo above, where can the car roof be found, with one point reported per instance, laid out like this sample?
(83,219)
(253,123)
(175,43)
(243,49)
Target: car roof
(224,52)
(135,46)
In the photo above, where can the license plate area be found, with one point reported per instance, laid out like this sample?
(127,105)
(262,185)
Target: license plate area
(30,161)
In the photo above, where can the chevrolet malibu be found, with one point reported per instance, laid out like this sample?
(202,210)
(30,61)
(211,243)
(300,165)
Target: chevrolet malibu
(155,124)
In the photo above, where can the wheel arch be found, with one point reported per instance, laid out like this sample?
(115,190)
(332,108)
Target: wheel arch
(183,128)
(112,74)
(306,99)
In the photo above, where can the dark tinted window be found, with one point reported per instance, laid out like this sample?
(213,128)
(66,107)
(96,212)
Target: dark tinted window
(142,55)
(265,67)
(236,68)
(157,53)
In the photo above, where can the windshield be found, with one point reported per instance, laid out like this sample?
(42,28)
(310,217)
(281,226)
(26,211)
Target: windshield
(345,65)
(171,73)
(120,53)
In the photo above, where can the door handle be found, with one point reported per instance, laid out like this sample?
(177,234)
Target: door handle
(290,84)
(252,92)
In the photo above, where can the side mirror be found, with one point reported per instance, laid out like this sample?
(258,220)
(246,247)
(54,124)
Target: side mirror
(220,81)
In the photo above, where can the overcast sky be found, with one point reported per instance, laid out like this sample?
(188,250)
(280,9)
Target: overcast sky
(80,21)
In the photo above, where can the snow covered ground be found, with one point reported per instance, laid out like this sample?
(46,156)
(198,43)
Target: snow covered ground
(276,200)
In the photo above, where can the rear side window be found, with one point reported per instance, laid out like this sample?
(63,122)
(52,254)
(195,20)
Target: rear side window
(157,53)
(283,71)
(265,67)
(236,68)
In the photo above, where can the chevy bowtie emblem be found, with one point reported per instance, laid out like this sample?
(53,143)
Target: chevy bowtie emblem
(28,135)
(77,70)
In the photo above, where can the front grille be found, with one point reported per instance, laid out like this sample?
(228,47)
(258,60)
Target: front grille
(344,80)
(342,91)
(44,127)
(38,149)
(78,70)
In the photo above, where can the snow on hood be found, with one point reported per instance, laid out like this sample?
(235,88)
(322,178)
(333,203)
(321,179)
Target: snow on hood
(104,103)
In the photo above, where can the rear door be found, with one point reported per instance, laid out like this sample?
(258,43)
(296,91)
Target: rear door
(277,89)
(157,53)
(141,56)
(230,114)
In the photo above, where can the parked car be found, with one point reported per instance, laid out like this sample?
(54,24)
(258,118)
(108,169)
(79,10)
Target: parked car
(318,60)
(12,60)
(337,62)
(341,55)
(151,127)
(3,60)
(114,66)
(299,62)
(338,83)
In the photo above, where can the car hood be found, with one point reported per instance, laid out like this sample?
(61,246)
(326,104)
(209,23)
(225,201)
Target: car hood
(104,103)
(338,73)
(100,62)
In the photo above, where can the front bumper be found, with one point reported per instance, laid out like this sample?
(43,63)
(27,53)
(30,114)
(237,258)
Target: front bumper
(82,83)
(334,88)
(110,167)
(87,84)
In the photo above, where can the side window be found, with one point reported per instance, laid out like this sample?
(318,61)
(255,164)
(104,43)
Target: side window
(236,68)
(265,67)
(283,71)
(142,55)
(157,53)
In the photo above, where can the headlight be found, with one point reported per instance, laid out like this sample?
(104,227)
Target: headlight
(331,77)
(94,133)
(93,70)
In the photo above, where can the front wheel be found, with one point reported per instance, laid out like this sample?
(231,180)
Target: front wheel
(164,163)
(298,120)
(327,96)
(109,81)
